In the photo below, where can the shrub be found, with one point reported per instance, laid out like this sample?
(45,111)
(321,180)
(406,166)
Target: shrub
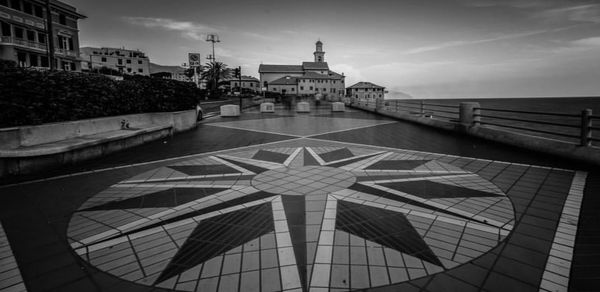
(29,97)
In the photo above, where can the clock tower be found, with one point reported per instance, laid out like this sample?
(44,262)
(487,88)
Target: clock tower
(319,54)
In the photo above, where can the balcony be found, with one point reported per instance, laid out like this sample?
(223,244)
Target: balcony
(66,53)
(22,43)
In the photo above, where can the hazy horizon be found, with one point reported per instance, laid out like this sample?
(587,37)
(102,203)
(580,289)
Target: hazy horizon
(427,49)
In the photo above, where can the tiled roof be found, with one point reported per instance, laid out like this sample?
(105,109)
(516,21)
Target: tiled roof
(314,75)
(287,80)
(363,84)
(315,66)
(244,78)
(264,68)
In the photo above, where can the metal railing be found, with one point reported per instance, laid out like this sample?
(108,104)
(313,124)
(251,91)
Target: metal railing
(567,127)
(574,127)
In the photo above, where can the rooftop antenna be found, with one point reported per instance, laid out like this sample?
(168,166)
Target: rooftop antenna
(213,38)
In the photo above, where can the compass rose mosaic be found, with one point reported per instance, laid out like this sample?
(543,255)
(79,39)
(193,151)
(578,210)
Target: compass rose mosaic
(302,219)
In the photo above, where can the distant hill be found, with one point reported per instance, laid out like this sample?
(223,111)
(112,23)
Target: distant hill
(392,94)
(155,68)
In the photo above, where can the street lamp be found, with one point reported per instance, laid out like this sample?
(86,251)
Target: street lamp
(213,38)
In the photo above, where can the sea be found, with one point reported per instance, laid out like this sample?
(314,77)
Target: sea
(564,105)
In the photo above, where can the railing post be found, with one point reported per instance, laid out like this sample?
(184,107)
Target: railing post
(468,114)
(422,108)
(586,123)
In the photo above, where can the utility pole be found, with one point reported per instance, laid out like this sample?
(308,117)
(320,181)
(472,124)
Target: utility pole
(213,38)
(239,72)
(50,41)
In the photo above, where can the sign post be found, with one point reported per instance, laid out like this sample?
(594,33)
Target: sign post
(194,61)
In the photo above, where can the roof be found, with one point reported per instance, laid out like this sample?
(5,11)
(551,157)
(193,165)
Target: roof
(314,75)
(363,84)
(315,66)
(280,68)
(287,80)
(244,78)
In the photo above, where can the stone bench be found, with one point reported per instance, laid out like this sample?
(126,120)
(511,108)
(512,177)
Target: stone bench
(338,107)
(32,149)
(267,107)
(230,110)
(303,107)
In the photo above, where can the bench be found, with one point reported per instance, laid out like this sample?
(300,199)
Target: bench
(31,149)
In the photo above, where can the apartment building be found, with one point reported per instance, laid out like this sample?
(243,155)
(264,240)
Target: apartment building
(132,62)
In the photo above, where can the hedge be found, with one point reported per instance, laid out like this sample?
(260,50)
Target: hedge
(30,97)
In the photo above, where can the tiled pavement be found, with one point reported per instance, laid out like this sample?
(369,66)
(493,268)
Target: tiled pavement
(293,211)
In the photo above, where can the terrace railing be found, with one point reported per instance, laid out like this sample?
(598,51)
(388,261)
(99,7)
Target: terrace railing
(574,128)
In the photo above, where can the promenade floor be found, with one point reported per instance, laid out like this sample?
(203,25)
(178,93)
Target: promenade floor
(305,202)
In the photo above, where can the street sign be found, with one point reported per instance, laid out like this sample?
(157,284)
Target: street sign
(194,59)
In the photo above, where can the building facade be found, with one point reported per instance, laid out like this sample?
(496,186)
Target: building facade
(306,79)
(24,39)
(132,62)
(248,83)
(366,91)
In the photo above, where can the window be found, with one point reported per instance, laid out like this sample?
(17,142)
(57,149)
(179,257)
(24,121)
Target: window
(301,87)
(18,32)
(311,88)
(38,11)
(62,19)
(140,70)
(140,62)
(120,61)
(103,59)
(293,89)
(6,29)
(128,61)
(44,61)
(129,70)
(22,59)
(28,8)
(41,37)
(15,4)
(33,60)
(324,89)
(31,35)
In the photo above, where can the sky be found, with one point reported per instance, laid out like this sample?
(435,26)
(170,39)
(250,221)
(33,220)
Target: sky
(425,48)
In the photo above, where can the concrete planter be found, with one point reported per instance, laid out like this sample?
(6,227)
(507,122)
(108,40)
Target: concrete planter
(267,107)
(230,110)
(303,107)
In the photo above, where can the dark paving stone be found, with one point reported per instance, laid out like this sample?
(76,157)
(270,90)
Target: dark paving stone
(250,167)
(585,271)
(336,155)
(270,156)
(295,213)
(167,198)
(216,235)
(434,190)
(520,271)
(387,228)
(501,283)
(350,161)
(469,273)
(204,169)
(443,282)
(397,164)
(309,159)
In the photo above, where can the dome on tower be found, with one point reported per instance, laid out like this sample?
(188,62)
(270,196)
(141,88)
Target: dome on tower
(319,42)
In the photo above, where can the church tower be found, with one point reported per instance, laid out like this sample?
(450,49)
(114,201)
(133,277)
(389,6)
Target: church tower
(319,54)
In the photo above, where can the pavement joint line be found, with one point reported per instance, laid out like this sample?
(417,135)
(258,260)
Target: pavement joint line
(350,129)
(143,163)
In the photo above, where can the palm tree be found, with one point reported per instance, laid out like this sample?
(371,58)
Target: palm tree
(215,71)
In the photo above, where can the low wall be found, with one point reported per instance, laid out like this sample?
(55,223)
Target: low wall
(585,154)
(11,138)
(153,126)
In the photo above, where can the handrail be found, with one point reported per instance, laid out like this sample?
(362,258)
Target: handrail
(441,105)
(528,112)
(531,130)
(528,121)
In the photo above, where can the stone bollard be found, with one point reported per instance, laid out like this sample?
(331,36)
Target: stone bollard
(230,110)
(267,107)
(469,112)
(338,107)
(302,107)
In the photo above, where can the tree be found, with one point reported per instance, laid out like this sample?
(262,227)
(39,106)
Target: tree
(214,72)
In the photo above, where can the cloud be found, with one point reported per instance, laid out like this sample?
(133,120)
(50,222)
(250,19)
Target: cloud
(520,4)
(452,44)
(352,74)
(579,13)
(188,29)
(587,42)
